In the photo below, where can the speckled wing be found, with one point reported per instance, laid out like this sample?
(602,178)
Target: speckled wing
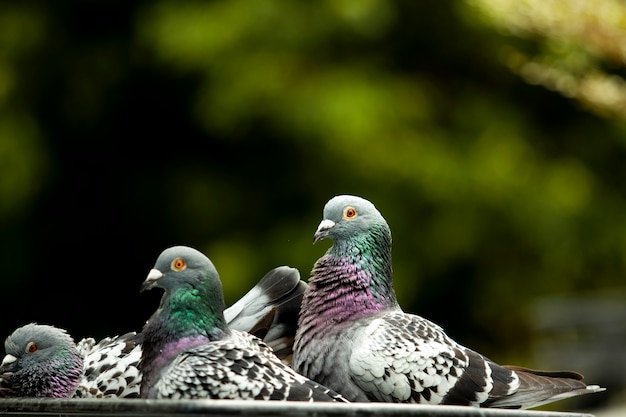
(401,357)
(110,367)
(238,367)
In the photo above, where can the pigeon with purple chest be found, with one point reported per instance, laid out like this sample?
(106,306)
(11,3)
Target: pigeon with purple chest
(190,352)
(44,361)
(354,338)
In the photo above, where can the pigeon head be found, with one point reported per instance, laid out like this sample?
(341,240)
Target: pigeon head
(182,267)
(347,217)
(40,361)
(193,302)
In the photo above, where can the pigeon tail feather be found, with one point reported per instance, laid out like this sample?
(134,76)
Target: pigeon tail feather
(542,387)
(270,310)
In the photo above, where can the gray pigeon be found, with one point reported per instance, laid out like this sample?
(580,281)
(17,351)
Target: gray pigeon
(354,338)
(190,352)
(43,361)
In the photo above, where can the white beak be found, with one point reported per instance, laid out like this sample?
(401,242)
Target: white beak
(8,359)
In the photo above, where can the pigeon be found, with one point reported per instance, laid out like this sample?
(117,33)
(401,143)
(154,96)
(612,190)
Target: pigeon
(44,361)
(190,352)
(354,338)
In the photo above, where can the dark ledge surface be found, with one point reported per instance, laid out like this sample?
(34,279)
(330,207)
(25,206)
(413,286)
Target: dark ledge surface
(135,407)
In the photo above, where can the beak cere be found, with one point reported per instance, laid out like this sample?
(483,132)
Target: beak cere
(151,279)
(322,230)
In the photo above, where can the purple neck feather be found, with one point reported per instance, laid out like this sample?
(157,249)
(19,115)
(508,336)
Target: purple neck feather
(172,348)
(63,385)
(339,291)
(58,379)
(353,280)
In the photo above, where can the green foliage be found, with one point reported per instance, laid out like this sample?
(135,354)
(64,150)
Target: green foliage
(228,125)
(580,49)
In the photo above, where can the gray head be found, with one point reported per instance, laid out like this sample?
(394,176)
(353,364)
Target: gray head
(181,267)
(347,216)
(40,361)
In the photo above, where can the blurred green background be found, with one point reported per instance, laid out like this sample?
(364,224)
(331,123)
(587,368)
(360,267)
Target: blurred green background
(490,134)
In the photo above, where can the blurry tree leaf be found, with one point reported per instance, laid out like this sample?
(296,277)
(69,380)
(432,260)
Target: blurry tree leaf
(581,47)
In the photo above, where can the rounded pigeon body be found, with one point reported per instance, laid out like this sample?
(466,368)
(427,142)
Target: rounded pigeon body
(44,361)
(190,352)
(354,338)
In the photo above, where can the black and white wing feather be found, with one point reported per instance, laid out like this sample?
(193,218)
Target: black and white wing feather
(110,367)
(238,367)
(393,365)
(400,357)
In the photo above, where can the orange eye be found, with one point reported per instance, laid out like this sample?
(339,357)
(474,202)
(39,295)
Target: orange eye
(178,264)
(349,213)
(31,347)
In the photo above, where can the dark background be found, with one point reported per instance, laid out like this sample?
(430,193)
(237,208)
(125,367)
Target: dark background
(129,127)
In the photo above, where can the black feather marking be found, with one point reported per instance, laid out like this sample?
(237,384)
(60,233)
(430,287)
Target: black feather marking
(550,374)
(502,379)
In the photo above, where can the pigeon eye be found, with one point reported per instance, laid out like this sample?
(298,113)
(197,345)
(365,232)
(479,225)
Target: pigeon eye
(31,347)
(178,264)
(349,213)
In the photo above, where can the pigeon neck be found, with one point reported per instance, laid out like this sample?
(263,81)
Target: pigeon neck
(66,375)
(189,312)
(186,318)
(354,277)
(196,312)
(58,378)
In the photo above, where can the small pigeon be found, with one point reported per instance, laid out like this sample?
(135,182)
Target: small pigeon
(190,352)
(44,361)
(354,338)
